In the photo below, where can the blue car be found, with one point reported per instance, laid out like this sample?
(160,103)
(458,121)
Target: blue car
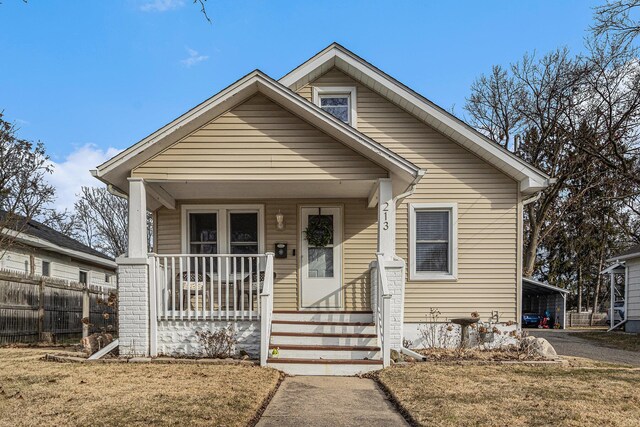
(531,320)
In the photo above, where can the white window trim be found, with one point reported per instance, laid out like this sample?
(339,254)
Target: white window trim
(222,212)
(453,244)
(339,90)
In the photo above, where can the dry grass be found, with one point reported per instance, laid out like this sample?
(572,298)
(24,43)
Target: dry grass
(516,395)
(614,339)
(35,392)
(451,355)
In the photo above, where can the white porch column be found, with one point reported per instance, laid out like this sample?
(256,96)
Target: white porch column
(137,218)
(386,219)
(133,278)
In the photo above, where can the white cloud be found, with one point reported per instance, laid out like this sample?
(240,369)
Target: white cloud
(194,58)
(161,5)
(73,173)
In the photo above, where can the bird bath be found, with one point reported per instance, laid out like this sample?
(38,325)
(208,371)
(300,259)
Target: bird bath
(464,323)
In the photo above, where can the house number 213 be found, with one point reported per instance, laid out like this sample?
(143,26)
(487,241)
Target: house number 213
(385,214)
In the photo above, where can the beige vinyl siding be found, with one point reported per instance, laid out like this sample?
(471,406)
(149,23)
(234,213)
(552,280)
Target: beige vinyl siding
(633,305)
(360,240)
(258,140)
(487,209)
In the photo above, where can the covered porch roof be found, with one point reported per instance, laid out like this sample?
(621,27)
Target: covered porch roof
(116,171)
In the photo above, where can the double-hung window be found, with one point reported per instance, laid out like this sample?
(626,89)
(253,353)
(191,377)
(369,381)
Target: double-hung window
(340,102)
(433,241)
(218,229)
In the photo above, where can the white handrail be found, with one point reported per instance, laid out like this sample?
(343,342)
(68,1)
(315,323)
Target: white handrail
(266,297)
(383,311)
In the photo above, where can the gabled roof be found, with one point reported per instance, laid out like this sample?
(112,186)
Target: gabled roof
(632,252)
(116,170)
(34,233)
(530,178)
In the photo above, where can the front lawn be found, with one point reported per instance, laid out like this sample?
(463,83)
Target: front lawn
(614,339)
(35,392)
(437,394)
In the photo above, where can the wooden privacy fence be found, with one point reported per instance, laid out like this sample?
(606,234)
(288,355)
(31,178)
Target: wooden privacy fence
(35,308)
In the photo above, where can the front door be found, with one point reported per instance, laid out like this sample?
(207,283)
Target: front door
(321,260)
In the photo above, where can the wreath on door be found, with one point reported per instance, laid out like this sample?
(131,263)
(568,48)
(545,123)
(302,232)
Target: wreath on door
(319,231)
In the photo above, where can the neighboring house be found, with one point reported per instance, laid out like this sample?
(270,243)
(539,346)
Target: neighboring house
(628,264)
(39,250)
(372,198)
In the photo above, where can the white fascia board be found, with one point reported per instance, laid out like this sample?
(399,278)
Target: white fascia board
(624,257)
(544,285)
(447,123)
(44,244)
(184,122)
(233,95)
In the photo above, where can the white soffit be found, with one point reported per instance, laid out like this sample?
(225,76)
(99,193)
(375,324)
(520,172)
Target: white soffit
(531,179)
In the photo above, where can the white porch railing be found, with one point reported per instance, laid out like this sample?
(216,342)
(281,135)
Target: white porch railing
(266,314)
(210,287)
(382,311)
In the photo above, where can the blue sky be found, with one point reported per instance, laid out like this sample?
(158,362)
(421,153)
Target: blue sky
(91,77)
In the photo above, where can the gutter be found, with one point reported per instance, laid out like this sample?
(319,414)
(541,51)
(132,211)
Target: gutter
(410,189)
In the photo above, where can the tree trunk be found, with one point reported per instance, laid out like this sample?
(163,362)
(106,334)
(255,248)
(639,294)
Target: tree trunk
(580,289)
(596,294)
(530,252)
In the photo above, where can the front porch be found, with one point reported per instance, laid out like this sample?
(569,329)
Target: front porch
(220,268)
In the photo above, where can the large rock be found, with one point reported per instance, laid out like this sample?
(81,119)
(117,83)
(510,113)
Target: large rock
(538,346)
(95,342)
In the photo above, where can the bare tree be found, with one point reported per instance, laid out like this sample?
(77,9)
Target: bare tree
(619,18)
(23,189)
(101,220)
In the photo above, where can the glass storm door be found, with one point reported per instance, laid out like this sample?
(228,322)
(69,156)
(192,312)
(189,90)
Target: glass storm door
(321,266)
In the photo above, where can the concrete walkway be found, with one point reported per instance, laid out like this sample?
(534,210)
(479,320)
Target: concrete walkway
(331,402)
(568,343)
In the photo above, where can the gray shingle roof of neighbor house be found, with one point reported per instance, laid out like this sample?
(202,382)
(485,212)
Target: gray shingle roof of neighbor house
(39,230)
(632,252)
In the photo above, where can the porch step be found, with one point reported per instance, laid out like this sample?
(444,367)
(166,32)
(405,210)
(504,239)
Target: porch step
(325,352)
(323,327)
(330,367)
(323,316)
(285,338)
(324,343)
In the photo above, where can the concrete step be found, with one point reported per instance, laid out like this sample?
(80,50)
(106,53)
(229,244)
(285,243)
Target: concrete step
(324,316)
(330,367)
(293,351)
(322,327)
(323,339)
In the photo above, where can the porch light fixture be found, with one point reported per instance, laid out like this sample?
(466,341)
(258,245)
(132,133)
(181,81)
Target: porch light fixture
(279,220)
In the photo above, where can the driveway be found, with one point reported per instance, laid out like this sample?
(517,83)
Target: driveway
(330,402)
(568,343)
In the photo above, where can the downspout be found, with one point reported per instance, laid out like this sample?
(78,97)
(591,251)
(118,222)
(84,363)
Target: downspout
(411,188)
(396,201)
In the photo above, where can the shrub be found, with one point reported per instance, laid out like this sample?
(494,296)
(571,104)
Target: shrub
(218,344)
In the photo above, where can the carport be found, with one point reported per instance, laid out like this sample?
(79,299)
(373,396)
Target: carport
(537,297)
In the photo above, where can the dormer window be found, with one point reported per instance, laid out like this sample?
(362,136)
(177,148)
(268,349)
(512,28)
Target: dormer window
(337,101)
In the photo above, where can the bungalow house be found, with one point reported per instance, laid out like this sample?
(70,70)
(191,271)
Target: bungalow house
(322,214)
(627,265)
(39,250)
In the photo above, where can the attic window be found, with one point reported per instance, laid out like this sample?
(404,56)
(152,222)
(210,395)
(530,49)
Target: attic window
(340,102)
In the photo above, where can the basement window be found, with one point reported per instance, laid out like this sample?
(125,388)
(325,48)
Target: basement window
(340,102)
